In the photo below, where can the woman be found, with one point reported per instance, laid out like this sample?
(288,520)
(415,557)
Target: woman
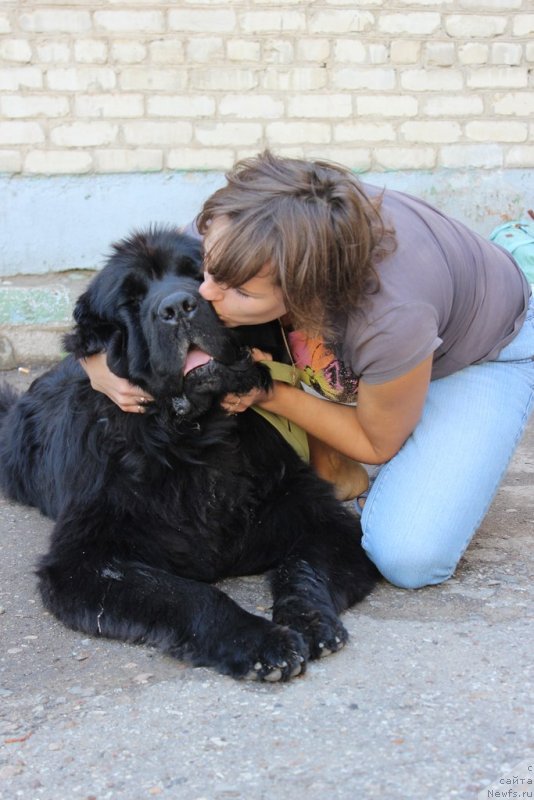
(419,330)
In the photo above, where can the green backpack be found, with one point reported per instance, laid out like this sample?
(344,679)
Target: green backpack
(518,238)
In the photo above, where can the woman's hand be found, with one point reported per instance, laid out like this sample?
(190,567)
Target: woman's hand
(128,397)
(236,403)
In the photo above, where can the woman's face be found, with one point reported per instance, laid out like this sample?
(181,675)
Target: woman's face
(256,301)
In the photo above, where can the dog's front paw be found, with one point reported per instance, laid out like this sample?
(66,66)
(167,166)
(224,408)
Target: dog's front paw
(268,653)
(321,629)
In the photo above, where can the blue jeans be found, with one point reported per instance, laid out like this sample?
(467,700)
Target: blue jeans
(428,501)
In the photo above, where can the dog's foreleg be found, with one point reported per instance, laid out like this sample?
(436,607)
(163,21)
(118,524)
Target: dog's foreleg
(188,620)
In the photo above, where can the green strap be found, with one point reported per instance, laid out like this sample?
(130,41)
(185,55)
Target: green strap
(292,433)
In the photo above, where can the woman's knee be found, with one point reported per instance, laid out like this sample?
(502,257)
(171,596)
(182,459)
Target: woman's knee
(411,569)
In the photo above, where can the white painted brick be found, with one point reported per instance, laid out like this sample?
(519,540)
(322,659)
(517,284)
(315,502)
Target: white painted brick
(498,77)
(275,79)
(247,152)
(440,54)
(420,23)
(431,132)
(243,50)
(80,78)
(166,51)
(200,159)
(15,50)
(404,51)
(351,78)
(21,78)
(404,157)
(341,21)
(313,49)
(5,24)
(91,51)
(471,156)
(387,105)
(523,25)
(55,21)
(489,131)
(287,151)
(129,21)
(520,104)
(356,158)
(205,49)
(157,134)
(364,132)
(520,156)
(351,2)
(350,51)
(250,106)
(453,106)
(473,26)
(278,51)
(180,106)
(139,160)
(20,106)
(426,80)
(84,134)
(128,52)
(299,79)
(224,78)
(334,78)
(224,134)
(150,79)
(438,3)
(10,161)
(18,133)
(109,105)
(506,53)
(327,106)
(377,54)
(473,53)
(201,20)
(490,5)
(277,21)
(57,162)
(298,132)
(53,52)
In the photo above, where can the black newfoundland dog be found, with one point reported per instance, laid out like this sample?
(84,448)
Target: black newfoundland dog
(150,509)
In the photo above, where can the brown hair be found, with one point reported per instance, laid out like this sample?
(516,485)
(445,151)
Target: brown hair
(312,222)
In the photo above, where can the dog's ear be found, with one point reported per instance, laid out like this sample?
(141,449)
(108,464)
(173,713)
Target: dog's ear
(91,333)
(117,355)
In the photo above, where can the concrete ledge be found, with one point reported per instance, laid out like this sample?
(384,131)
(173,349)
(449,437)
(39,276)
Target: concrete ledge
(34,314)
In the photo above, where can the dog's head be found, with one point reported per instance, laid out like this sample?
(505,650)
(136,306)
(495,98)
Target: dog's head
(144,309)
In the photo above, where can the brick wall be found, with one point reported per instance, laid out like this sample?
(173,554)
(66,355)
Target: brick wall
(132,86)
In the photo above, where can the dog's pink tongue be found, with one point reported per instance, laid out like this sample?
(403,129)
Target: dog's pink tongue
(195,358)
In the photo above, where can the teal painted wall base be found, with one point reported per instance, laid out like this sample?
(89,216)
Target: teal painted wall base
(53,224)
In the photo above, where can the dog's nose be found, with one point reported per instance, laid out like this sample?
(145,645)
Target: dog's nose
(177,306)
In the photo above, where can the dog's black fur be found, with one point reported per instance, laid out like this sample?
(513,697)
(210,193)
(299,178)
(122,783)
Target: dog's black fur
(151,508)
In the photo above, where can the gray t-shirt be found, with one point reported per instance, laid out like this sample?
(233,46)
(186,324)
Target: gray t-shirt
(444,290)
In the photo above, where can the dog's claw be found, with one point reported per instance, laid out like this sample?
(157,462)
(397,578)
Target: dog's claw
(290,667)
(273,676)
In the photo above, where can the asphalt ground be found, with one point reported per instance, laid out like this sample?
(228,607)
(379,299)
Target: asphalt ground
(431,698)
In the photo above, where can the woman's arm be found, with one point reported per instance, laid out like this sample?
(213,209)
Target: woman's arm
(127,396)
(372,432)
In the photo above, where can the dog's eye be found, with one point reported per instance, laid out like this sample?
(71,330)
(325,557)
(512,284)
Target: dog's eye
(188,267)
(133,291)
